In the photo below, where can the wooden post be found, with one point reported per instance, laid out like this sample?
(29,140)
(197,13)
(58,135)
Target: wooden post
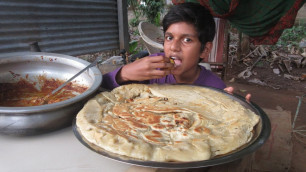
(245,45)
(123,25)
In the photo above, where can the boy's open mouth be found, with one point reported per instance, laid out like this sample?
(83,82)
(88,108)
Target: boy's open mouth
(177,61)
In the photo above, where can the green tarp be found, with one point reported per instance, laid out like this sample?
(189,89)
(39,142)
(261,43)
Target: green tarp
(262,20)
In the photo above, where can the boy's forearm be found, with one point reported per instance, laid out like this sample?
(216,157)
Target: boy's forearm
(120,77)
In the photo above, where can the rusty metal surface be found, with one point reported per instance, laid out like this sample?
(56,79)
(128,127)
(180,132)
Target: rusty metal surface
(71,27)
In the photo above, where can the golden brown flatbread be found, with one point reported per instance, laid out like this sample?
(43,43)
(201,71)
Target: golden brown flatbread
(166,122)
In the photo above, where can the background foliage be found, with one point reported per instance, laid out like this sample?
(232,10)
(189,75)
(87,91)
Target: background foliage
(291,37)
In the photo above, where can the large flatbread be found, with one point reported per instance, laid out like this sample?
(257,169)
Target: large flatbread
(166,122)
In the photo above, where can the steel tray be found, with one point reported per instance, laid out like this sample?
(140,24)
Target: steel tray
(261,134)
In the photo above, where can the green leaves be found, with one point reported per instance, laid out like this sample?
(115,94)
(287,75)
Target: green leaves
(133,47)
(292,36)
(151,10)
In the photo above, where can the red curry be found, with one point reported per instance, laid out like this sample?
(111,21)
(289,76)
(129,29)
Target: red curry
(24,93)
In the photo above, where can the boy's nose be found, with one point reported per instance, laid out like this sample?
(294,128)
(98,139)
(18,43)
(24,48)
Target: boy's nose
(175,46)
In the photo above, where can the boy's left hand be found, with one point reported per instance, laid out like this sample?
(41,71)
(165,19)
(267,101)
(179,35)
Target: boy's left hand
(231,90)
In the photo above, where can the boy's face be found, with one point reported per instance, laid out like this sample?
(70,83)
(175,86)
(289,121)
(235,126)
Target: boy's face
(182,44)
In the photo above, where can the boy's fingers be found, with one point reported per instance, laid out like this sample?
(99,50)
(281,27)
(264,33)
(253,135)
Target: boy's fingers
(157,59)
(162,66)
(167,66)
(229,89)
(161,59)
(248,97)
(159,73)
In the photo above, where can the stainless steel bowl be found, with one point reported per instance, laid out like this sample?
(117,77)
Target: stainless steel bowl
(45,118)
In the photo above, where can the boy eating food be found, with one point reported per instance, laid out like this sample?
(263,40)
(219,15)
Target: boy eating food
(189,30)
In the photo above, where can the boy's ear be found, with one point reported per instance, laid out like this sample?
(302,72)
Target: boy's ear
(205,53)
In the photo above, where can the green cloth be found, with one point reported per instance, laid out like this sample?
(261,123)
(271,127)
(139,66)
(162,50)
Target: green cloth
(256,17)
(262,20)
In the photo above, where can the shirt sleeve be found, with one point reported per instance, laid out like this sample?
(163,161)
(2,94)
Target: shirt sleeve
(209,79)
(109,79)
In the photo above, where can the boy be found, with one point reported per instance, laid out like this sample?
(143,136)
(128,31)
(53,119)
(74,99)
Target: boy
(189,30)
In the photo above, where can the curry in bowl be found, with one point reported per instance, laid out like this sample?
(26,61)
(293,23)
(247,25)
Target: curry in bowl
(26,93)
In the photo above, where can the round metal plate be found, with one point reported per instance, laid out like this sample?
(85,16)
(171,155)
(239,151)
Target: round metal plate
(261,134)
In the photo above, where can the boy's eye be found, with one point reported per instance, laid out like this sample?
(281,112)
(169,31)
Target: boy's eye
(168,38)
(187,39)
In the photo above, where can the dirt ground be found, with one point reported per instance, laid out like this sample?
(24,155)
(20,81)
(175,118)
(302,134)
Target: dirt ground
(263,75)
(285,97)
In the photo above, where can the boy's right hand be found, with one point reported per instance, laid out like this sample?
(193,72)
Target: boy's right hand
(144,69)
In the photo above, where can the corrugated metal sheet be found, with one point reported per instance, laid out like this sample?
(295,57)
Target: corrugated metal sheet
(72,27)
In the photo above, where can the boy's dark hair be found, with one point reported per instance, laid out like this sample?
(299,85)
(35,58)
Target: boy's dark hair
(196,15)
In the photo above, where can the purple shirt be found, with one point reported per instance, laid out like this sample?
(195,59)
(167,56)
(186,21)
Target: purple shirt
(206,78)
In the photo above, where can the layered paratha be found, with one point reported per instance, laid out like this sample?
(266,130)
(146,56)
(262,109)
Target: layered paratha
(166,122)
